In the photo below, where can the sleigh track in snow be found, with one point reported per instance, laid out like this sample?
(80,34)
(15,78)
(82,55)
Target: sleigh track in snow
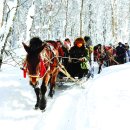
(67,83)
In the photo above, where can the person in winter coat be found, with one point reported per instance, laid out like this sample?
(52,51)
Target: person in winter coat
(66,47)
(59,48)
(97,51)
(79,58)
(89,46)
(99,56)
(67,43)
(127,52)
(121,53)
(88,41)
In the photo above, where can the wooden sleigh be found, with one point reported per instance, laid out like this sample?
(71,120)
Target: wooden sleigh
(69,81)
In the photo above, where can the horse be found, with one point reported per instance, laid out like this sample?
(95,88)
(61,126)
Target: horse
(104,55)
(42,63)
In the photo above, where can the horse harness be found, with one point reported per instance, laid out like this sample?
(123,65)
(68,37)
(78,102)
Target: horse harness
(43,64)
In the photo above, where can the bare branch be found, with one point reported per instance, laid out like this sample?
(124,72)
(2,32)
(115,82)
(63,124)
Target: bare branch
(13,8)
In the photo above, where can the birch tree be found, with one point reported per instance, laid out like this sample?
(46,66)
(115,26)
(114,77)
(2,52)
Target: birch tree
(7,27)
(1,11)
(29,20)
(66,19)
(90,19)
(81,17)
(114,20)
(129,23)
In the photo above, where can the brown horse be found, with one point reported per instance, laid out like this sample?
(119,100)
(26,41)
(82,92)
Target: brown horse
(42,62)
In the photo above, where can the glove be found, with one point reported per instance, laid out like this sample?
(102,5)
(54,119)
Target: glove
(83,59)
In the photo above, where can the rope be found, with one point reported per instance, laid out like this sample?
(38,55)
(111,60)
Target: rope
(64,71)
(113,58)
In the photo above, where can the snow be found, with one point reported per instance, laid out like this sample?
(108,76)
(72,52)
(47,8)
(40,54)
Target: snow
(102,103)
(4,30)
(1,10)
(29,20)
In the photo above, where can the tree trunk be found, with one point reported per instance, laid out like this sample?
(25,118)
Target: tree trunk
(6,37)
(90,20)
(129,22)
(81,19)
(114,20)
(2,13)
(3,48)
(66,19)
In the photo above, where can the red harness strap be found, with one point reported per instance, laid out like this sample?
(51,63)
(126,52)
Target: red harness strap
(24,70)
(42,68)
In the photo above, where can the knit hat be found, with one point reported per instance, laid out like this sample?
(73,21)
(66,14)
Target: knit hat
(87,38)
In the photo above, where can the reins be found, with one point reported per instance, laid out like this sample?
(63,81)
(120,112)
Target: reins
(46,57)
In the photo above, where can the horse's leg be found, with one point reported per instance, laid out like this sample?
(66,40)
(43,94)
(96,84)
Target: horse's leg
(42,104)
(100,68)
(37,92)
(53,84)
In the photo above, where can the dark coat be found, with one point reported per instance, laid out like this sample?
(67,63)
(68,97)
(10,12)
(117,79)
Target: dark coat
(75,66)
(76,52)
(121,53)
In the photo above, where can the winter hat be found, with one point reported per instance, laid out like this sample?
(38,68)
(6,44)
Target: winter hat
(87,38)
(67,39)
(119,43)
(67,43)
(79,42)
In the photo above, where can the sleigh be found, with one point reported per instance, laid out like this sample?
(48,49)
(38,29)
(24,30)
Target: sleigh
(68,80)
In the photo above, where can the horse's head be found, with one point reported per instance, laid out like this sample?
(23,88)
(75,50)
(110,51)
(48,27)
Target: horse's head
(33,59)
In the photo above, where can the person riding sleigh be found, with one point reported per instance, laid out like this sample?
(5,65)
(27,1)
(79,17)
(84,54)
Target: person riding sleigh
(79,57)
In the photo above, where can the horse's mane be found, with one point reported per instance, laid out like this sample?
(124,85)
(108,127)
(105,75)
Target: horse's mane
(52,42)
(35,43)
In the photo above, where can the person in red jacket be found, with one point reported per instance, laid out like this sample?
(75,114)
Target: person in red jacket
(59,47)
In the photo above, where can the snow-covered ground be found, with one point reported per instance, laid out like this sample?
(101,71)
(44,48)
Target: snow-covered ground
(102,104)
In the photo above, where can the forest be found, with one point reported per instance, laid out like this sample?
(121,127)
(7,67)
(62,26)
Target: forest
(106,22)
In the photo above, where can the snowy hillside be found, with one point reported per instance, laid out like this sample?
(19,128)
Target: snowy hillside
(103,104)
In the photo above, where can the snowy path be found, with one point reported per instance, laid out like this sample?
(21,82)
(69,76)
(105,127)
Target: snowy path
(18,100)
(103,104)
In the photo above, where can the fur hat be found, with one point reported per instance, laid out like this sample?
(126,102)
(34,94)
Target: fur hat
(79,40)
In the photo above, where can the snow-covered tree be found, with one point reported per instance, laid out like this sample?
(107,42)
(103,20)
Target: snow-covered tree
(104,21)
